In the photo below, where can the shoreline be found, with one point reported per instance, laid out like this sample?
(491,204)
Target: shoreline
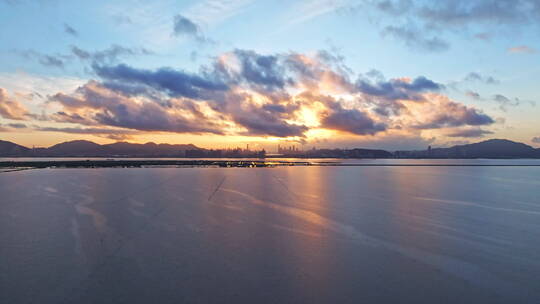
(16,165)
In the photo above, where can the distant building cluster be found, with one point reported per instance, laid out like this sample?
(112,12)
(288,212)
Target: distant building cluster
(291,150)
(226,153)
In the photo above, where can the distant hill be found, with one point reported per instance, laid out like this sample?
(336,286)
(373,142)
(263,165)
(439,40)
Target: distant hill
(75,148)
(84,148)
(493,148)
(11,149)
(148,149)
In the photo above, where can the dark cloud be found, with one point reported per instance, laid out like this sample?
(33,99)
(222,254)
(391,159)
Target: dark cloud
(264,124)
(183,26)
(246,93)
(505,102)
(469,133)
(350,120)
(176,83)
(422,24)
(108,55)
(11,127)
(375,74)
(473,76)
(398,88)
(44,59)
(51,61)
(93,104)
(268,119)
(458,13)
(17,125)
(70,30)
(473,95)
(116,134)
(447,113)
(483,36)
(414,38)
(262,70)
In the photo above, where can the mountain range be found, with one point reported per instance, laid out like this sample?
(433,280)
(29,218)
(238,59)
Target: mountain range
(84,148)
(493,148)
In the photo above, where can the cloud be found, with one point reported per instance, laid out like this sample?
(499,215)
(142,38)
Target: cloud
(457,13)
(505,102)
(57,61)
(468,133)
(246,93)
(17,125)
(398,88)
(473,95)
(483,36)
(473,76)
(310,9)
(415,39)
(184,26)
(70,30)
(93,104)
(262,124)
(176,83)
(350,120)
(536,140)
(11,127)
(424,24)
(523,49)
(108,55)
(38,86)
(255,70)
(443,112)
(212,12)
(11,109)
(116,134)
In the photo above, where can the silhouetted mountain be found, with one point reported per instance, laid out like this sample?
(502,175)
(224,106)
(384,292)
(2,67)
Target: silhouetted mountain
(493,148)
(84,148)
(148,149)
(88,148)
(11,149)
(75,148)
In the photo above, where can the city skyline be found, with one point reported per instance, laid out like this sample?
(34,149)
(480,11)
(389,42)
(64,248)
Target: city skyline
(394,75)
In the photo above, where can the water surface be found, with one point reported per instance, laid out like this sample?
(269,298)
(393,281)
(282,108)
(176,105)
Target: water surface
(271,235)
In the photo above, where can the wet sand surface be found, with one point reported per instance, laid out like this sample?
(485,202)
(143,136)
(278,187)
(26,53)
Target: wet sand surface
(271,235)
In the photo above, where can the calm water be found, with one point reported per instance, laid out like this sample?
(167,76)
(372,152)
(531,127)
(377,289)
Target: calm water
(495,162)
(271,235)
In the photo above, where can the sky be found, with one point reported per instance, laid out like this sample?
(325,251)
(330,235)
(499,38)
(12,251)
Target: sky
(390,74)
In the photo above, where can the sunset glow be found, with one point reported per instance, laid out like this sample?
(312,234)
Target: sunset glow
(183,80)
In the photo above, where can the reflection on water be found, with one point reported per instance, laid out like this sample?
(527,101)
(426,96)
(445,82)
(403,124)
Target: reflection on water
(271,235)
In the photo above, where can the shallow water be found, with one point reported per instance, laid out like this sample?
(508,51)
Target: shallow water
(271,235)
